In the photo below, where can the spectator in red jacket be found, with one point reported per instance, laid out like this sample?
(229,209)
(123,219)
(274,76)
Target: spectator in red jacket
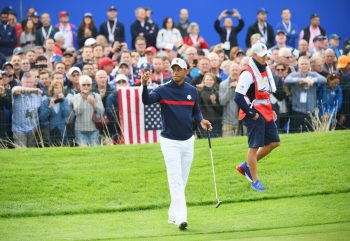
(193,38)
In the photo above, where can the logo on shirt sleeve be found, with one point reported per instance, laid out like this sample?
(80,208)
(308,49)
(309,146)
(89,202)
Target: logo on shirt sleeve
(189,97)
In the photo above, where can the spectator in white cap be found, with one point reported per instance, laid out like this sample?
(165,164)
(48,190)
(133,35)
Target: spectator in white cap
(73,86)
(85,104)
(86,30)
(90,42)
(112,108)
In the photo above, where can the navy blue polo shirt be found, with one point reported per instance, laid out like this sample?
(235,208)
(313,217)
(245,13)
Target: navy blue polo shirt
(179,108)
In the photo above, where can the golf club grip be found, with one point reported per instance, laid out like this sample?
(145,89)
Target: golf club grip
(209,141)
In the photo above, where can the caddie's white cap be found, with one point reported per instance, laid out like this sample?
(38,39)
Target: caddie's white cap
(73,69)
(259,48)
(179,62)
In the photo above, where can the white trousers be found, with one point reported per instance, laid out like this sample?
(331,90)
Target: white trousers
(178,156)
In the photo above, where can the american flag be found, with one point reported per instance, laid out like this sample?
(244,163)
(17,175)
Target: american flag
(139,124)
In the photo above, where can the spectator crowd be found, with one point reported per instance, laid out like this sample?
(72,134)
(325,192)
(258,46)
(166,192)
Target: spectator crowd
(59,83)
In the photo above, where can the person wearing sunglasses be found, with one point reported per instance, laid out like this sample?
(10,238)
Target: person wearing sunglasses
(286,57)
(283,92)
(10,72)
(84,105)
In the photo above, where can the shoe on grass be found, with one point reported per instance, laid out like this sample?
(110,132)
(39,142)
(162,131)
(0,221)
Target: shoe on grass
(244,170)
(183,225)
(258,186)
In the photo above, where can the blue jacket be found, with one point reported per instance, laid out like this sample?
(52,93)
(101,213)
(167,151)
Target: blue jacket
(47,114)
(330,101)
(8,39)
(292,35)
(179,108)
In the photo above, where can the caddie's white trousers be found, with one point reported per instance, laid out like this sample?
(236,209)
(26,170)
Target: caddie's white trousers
(178,156)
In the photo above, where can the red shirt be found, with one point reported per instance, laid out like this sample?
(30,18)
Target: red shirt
(200,40)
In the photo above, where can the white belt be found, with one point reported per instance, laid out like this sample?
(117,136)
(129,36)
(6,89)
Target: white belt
(260,102)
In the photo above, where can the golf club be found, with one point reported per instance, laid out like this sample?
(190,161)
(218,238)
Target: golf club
(212,168)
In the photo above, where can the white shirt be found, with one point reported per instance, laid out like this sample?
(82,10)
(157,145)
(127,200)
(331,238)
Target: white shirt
(68,35)
(244,82)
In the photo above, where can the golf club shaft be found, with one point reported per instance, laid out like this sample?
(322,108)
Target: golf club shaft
(212,166)
(213,170)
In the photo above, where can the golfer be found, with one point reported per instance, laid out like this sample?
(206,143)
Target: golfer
(252,95)
(179,109)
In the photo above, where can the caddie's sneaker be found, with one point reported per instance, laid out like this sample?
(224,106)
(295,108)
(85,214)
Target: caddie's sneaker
(182,225)
(244,170)
(240,169)
(258,186)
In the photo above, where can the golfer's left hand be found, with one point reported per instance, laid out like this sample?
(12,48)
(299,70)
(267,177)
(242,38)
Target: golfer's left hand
(206,125)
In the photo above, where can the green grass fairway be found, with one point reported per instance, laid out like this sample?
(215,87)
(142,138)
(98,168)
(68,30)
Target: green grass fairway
(121,192)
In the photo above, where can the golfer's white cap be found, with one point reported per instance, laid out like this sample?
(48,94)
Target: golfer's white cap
(179,62)
(259,48)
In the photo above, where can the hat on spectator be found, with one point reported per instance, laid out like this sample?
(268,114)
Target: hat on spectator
(63,13)
(6,10)
(88,15)
(121,77)
(262,10)
(281,31)
(179,62)
(58,36)
(3,72)
(170,47)
(72,70)
(146,66)
(7,64)
(12,11)
(239,51)
(18,51)
(102,62)
(123,63)
(259,48)
(151,49)
(35,14)
(68,53)
(112,8)
(319,38)
(343,61)
(314,15)
(334,36)
(90,42)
